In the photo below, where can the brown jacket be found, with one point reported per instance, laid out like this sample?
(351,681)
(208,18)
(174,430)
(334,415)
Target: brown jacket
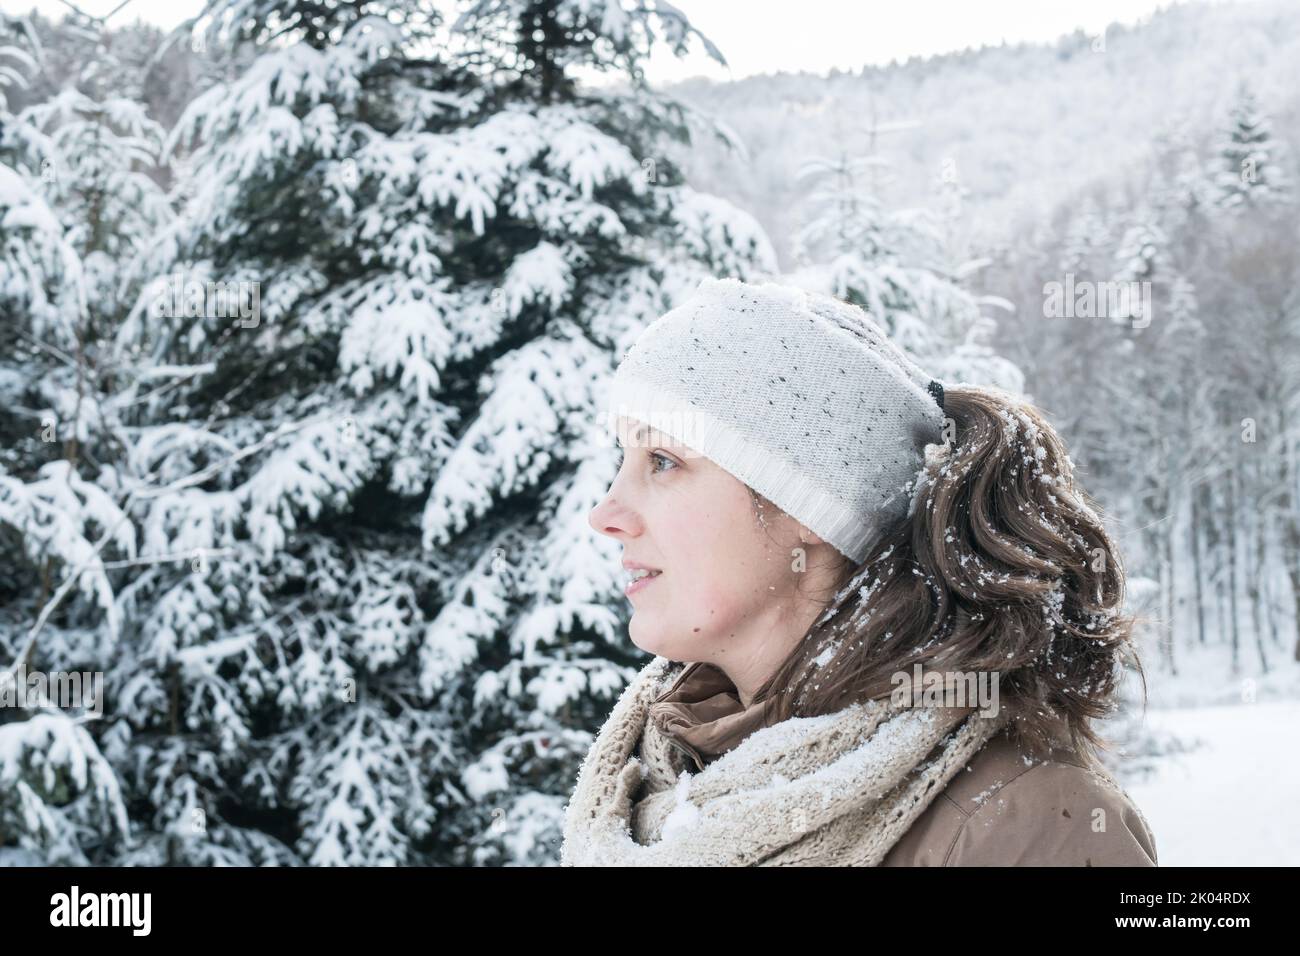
(1003,808)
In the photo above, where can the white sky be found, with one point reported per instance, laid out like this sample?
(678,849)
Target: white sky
(767,36)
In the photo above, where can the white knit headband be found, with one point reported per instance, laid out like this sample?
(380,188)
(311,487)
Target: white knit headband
(797,394)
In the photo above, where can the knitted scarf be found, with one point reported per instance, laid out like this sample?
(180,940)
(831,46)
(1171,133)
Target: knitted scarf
(832,790)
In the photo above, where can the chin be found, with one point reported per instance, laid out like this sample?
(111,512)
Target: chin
(653,640)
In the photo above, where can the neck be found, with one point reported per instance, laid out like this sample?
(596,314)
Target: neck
(755,651)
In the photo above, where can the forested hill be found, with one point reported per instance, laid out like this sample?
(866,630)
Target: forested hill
(1024,126)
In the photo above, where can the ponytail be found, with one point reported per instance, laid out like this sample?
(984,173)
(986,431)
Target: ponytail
(1002,566)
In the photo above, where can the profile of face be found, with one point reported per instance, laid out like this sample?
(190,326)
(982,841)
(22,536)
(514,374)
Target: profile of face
(737,586)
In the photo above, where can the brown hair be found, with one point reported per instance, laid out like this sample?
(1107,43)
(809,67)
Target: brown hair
(1004,567)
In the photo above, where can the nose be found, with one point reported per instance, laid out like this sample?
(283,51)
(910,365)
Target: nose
(614,519)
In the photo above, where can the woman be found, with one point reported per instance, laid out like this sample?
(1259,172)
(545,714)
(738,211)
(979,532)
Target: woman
(899,611)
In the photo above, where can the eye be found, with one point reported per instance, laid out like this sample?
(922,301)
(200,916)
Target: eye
(661,457)
(656,456)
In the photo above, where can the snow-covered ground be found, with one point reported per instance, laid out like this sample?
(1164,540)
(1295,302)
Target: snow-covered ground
(1216,772)
(1235,799)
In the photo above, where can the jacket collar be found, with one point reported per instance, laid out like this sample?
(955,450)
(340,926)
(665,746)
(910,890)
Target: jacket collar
(701,713)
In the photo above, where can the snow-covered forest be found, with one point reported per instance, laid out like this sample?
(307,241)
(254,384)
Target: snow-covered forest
(306,316)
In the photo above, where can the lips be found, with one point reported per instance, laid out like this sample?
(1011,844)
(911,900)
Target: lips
(638,577)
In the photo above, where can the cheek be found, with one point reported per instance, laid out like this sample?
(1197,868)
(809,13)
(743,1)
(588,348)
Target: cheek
(733,569)
(716,546)
(726,562)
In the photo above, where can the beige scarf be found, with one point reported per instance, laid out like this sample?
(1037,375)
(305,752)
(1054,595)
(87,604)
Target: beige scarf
(833,790)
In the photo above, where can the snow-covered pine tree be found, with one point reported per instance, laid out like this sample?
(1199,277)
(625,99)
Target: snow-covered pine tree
(1252,170)
(1141,255)
(1140,258)
(950,196)
(1184,318)
(95,150)
(393,632)
(895,265)
(1177,188)
(1085,245)
(60,796)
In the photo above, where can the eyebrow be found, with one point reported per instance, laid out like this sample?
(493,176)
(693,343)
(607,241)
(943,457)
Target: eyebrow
(636,432)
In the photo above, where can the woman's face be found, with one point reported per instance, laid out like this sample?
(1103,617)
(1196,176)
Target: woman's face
(727,589)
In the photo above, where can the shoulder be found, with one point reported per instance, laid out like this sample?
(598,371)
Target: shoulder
(1057,811)
(1008,808)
